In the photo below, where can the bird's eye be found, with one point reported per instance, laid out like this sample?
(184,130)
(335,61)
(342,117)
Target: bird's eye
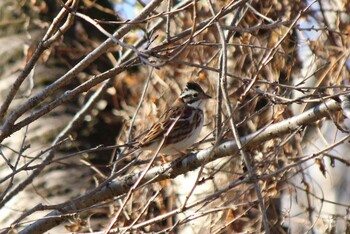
(195,95)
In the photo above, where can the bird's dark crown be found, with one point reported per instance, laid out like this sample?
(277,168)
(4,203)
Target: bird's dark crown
(194,86)
(193,94)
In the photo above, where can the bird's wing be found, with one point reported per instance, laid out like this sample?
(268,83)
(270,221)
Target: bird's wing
(176,113)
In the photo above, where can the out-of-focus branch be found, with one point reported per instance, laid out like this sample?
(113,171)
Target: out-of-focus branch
(70,94)
(42,46)
(7,127)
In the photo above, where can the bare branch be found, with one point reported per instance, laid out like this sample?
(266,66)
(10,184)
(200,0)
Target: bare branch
(171,170)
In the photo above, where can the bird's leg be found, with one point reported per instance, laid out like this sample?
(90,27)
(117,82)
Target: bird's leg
(164,159)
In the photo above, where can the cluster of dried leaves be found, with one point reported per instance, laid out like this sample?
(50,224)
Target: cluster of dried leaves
(76,79)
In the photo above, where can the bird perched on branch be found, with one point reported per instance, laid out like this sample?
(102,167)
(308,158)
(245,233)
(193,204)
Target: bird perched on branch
(179,127)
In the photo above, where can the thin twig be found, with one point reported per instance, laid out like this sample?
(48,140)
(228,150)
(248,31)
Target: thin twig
(167,29)
(223,85)
(145,88)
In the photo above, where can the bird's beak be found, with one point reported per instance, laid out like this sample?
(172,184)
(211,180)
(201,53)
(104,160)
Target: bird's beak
(206,96)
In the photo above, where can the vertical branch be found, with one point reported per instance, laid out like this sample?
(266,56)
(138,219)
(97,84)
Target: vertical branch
(167,29)
(218,104)
(133,120)
(223,84)
(235,21)
(140,103)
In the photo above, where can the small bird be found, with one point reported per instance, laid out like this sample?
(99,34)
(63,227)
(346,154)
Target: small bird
(184,119)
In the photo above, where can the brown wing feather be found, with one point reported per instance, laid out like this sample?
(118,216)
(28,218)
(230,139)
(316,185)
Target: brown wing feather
(157,131)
